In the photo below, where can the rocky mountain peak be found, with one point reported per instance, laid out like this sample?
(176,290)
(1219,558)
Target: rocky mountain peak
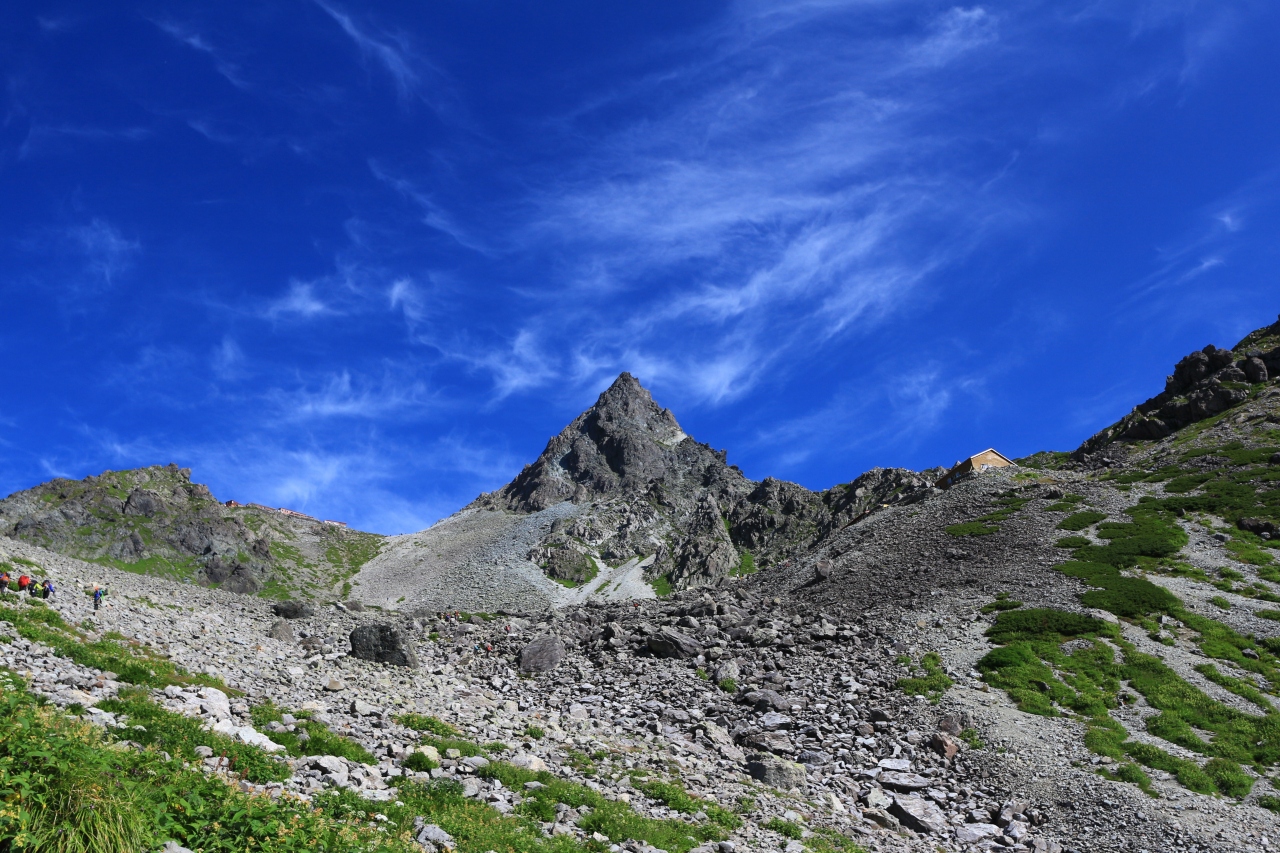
(624,442)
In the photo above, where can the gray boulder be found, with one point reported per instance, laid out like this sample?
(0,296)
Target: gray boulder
(919,814)
(767,700)
(382,643)
(292,609)
(727,669)
(777,772)
(543,654)
(1255,369)
(431,836)
(669,643)
(281,631)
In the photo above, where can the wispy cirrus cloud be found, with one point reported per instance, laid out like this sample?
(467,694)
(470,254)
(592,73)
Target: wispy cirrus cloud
(434,215)
(768,200)
(341,396)
(389,50)
(300,301)
(192,38)
(105,251)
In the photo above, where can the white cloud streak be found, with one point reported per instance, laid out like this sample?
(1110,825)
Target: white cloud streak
(106,251)
(196,41)
(300,301)
(389,51)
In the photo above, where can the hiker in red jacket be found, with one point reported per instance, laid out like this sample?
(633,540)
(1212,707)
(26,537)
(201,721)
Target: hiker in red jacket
(23,583)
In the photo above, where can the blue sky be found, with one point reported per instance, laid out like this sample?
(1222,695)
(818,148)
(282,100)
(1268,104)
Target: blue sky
(364,259)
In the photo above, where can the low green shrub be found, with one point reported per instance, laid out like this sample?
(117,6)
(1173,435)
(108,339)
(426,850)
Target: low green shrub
(932,684)
(1000,605)
(612,818)
(1081,520)
(972,528)
(420,762)
(320,739)
(426,723)
(784,827)
(674,797)
(1119,594)
(1044,623)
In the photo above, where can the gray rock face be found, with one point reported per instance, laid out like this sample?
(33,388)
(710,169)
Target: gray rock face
(542,655)
(293,609)
(382,643)
(777,772)
(1199,388)
(282,631)
(669,643)
(640,480)
(919,814)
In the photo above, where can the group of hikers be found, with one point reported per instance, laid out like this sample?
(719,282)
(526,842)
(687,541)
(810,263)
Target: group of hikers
(41,588)
(27,584)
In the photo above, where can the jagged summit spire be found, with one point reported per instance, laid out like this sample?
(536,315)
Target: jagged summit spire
(624,440)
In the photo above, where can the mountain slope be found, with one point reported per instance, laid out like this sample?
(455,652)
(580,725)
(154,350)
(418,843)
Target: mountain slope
(1125,597)
(156,521)
(622,486)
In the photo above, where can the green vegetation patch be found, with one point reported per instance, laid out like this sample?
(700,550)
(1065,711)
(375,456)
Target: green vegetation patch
(68,789)
(426,723)
(180,735)
(932,683)
(674,797)
(612,818)
(320,739)
(990,523)
(784,828)
(1002,602)
(662,586)
(1081,520)
(1119,594)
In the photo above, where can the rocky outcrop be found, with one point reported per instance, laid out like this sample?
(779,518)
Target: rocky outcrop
(645,489)
(1203,384)
(155,520)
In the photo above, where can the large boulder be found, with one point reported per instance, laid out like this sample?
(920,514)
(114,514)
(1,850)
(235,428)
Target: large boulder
(777,772)
(382,643)
(669,643)
(919,814)
(281,631)
(292,609)
(543,654)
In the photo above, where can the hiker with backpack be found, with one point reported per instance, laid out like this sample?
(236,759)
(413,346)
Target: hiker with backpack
(46,589)
(98,592)
(4,582)
(23,582)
